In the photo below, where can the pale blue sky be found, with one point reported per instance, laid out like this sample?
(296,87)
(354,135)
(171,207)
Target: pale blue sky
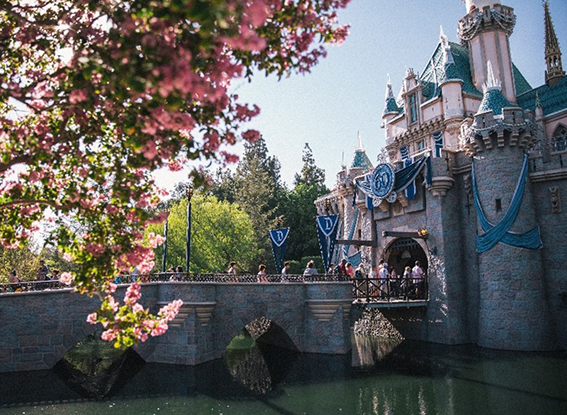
(345,92)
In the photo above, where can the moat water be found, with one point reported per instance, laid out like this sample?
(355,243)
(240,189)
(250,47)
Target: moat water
(379,377)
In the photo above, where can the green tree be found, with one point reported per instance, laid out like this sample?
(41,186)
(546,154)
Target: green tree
(299,209)
(220,232)
(259,191)
(311,175)
(21,259)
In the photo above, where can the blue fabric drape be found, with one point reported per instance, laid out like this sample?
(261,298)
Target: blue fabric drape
(351,232)
(407,175)
(501,231)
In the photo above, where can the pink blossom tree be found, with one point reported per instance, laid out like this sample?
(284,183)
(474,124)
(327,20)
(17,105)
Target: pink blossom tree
(95,95)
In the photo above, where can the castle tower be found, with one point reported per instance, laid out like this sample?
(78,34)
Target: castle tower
(485,30)
(554,72)
(513,309)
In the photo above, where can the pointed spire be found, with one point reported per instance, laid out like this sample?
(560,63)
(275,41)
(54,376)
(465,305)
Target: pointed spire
(343,163)
(360,160)
(390,107)
(493,99)
(447,55)
(491,81)
(443,37)
(554,71)
(359,142)
(537,100)
(389,91)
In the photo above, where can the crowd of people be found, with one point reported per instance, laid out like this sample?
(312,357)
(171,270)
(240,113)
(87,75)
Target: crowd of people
(43,275)
(383,282)
(386,283)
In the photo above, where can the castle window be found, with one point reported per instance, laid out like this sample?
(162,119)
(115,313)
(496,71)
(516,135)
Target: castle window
(439,141)
(413,108)
(498,205)
(420,145)
(559,140)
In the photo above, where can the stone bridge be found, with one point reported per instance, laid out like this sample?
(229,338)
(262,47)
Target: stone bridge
(38,328)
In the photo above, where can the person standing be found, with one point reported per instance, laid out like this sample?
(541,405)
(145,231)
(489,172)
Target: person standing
(341,269)
(310,269)
(418,278)
(349,271)
(384,274)
(232,268)
(360,277)
(406,282)
(262,273)
(42,271)
(285,271)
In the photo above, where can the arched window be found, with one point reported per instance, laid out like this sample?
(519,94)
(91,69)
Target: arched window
(559,139)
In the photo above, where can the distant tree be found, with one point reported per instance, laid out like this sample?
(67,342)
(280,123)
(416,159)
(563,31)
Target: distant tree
(310,175)
(299,208)
(220,232)
(22,259)
(224,185)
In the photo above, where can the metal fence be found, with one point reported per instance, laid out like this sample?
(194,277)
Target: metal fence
(29,286)
(390,289)
(364,289)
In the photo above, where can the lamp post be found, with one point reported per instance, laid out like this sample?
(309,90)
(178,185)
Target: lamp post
(164,259)
(189,195)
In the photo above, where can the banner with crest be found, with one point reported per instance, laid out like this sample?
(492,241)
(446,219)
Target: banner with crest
(327,227)
(279,238)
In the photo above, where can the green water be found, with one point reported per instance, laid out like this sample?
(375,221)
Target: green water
(377,378)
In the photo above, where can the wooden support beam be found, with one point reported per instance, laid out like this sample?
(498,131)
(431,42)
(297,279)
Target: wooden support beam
(355,242)
(402,234)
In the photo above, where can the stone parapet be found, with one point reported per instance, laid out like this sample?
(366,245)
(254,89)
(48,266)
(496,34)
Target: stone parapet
(38,328)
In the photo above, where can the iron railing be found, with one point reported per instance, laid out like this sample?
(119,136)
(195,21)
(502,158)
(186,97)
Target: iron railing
(32,286)
(364,289)
(28,286)
(221,278)
(390,289)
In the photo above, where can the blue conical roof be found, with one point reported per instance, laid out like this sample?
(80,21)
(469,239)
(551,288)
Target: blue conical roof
(361,160)
(493,100)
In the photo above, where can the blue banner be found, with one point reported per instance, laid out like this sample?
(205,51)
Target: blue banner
(327,227)
(411,189)
(279,238)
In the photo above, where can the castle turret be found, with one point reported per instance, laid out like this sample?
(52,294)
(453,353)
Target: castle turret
(554,72)
(513,309)
(485,31)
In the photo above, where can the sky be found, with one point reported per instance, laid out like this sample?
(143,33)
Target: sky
(344,93)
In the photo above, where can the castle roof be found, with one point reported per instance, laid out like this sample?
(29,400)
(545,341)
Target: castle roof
(361,160)
(493,100)
(552,98)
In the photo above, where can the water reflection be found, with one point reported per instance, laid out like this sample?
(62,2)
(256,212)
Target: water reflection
(256,365)
(412,378)
(93,368)
(367,351)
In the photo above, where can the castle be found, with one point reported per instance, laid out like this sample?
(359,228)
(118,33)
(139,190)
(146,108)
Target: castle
(473,189)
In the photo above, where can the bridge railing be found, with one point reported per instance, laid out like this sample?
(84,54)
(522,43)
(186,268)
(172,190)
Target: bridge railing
(218,277)
(364,289)
(32,286)
(29,286)
(390,289)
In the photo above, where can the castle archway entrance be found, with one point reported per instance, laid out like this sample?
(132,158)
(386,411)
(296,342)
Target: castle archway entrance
(404,252)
